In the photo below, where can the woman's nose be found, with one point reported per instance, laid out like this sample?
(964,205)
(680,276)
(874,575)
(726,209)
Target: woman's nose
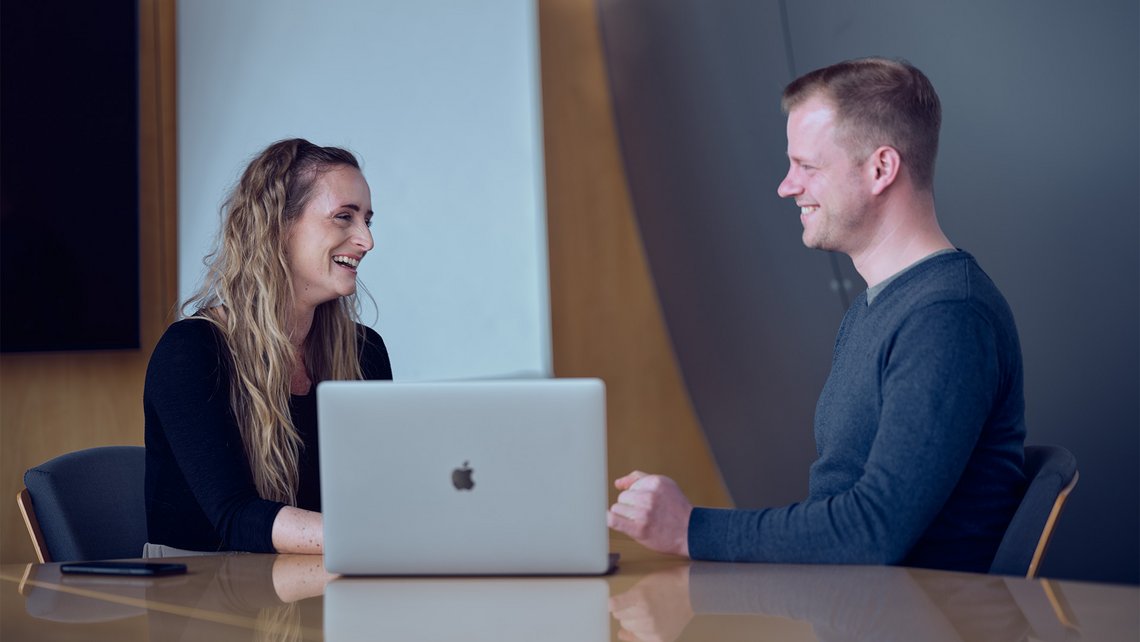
(364,237)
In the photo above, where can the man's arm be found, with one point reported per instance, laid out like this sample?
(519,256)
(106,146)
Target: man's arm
(937,389)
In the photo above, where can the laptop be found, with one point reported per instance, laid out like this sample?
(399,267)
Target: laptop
(491,609)
(464,477)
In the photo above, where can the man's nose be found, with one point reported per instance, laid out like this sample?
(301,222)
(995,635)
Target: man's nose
(788,187)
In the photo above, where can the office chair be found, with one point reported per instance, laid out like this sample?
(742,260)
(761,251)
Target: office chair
(86,505)
(1052,474)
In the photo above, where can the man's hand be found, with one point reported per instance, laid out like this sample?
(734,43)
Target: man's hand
(652,510)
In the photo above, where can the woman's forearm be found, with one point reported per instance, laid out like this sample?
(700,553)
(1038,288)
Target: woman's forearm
(298,531)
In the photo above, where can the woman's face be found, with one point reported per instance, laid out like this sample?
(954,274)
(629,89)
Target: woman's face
(330,238)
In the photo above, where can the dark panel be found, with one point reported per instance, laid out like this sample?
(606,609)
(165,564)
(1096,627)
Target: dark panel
(696,88)
(69,240)
(1037,177)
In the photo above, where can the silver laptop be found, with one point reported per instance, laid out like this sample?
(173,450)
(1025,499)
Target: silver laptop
(464,478)
(491,609)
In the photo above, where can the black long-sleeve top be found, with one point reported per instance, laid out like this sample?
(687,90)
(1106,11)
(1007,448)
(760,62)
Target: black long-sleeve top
(200,493)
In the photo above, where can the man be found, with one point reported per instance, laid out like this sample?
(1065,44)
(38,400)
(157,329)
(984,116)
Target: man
(920,426)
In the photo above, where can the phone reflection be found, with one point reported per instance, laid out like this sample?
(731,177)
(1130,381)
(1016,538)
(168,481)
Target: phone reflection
(839,603)
(45,603)
(500,609)
(223,597)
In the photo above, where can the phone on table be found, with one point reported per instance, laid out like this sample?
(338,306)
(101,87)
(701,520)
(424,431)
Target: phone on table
(123,568)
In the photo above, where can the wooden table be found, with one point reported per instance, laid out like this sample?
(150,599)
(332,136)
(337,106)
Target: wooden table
(651,597)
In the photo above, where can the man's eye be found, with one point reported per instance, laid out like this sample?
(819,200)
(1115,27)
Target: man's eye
(368,223)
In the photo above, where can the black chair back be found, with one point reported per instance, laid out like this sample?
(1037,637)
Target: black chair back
(1052,473)
(89,504)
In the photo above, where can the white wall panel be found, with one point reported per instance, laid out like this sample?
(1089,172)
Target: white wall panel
(440,100)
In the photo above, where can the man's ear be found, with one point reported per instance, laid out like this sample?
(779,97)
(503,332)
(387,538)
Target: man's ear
(883,166)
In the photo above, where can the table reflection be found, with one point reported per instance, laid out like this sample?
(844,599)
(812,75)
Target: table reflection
(268,597)
(501,609)
(232,597)
(78,607)
(844,603)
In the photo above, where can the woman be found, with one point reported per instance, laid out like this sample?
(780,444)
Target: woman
(229,399)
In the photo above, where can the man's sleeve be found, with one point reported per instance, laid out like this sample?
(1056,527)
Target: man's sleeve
(938,386)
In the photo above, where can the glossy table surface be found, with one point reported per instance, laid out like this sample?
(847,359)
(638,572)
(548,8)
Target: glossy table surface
(650,597)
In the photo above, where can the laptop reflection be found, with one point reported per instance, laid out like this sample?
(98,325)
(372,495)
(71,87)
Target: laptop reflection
(500,609)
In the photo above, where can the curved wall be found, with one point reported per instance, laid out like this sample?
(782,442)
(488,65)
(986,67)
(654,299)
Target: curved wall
(606,320)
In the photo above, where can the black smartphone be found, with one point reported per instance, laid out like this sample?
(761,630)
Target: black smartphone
(123,568)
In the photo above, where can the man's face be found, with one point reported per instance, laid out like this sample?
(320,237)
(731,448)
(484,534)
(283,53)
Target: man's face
(827,184)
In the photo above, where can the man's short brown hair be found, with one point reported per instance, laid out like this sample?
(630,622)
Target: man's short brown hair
(878,102)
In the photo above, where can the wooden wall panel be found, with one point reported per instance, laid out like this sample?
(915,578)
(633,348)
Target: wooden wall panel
(605,316)
(52,403)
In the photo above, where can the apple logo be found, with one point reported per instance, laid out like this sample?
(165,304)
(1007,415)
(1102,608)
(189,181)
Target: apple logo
(461,478)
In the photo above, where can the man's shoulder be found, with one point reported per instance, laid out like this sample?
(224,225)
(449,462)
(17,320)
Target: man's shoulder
(951,297)
(948,291)
(947,278)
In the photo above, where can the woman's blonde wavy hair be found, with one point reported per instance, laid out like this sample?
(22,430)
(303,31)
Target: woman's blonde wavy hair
(247,294)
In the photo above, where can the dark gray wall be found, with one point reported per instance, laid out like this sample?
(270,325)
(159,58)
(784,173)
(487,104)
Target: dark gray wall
(1037,177)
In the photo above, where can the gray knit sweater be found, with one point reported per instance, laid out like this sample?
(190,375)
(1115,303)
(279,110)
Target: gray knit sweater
(919,431)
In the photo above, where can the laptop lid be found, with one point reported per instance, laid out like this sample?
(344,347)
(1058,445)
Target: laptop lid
(458,478)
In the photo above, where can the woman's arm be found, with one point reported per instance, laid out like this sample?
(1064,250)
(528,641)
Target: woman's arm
(298,531)
(200,493)
(301,531)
